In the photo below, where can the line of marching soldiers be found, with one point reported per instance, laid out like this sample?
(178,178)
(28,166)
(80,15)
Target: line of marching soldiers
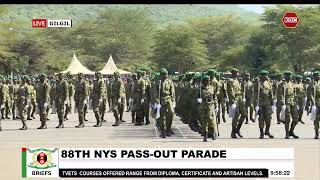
(23,97)
(203,100)
(200,99)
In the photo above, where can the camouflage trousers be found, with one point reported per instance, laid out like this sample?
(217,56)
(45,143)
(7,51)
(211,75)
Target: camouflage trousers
(207,119)
(291,113)
(317,120)
(240,114)
(265,113)
(166,115)
(118,104)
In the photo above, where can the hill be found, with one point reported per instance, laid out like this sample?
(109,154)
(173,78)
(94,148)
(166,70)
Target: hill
(161,14)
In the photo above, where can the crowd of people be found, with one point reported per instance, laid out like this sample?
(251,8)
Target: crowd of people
(200,99)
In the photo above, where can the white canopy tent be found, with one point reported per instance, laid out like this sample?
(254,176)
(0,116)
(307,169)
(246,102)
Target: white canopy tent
(111,67)
(76,67)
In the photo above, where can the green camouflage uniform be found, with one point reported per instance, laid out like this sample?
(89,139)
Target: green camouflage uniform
(286,96)
(118,96)
(264,99)
(207,110)
(98,94)
(313,95)
(235,96)
(61,94)
(70,96)
(300,97)
(247,87)
(146,107)
(167,97)
(43,97)
(109,87)
(139,93)
(222,96)
(32,106)
(81,98)
(5,100)
(22,102)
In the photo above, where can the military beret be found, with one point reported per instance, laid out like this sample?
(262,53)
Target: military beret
(139,72)
(234,70)
(163,71)
(298,76)
(211,72)
(316,73)
(205,78)
(264,72)
(308,79)
(287,73)
(25,77)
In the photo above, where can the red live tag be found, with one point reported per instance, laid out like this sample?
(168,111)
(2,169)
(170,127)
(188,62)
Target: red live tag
(39,23)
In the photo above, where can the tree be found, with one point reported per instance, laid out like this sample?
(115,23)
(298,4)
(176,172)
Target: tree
(179,48)
(32,51)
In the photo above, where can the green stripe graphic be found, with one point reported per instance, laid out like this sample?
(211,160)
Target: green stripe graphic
(24,163)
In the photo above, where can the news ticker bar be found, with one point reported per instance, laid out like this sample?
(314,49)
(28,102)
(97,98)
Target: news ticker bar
(158,162)
(231,173)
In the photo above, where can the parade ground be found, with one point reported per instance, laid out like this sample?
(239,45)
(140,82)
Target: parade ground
(307,149)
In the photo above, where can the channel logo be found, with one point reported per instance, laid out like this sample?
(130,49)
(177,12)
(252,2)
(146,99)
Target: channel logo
(44,23)
(40,162)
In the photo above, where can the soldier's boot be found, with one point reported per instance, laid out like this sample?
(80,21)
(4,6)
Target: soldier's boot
(40,126)
(117,121)
(44,125)
(2,113)
(24,126)
(98,119)
(163,134)
(32,113)
(214,135)
(102,118)
(121,117)
(291,133)
(287,134)
(267,132)
(238,130)
(81,123)
(133,117)
(205,135)
(60,124)
(147,121)
(316,134)
(261,133)
(233,134)
(29,113)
